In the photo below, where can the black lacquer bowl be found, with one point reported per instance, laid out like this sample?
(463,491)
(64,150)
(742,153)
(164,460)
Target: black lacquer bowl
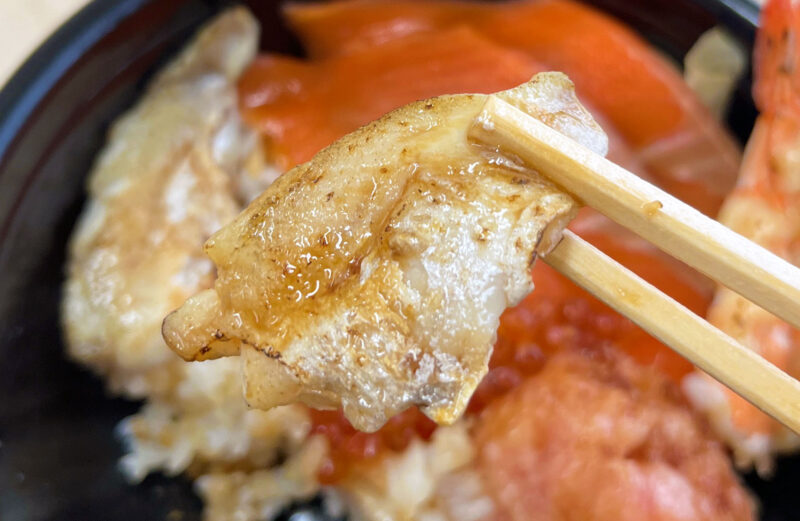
(57,450)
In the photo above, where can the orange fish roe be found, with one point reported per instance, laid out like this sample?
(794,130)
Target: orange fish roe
(349,446)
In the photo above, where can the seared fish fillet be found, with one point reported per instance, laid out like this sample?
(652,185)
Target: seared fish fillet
(373,277)
(163,184)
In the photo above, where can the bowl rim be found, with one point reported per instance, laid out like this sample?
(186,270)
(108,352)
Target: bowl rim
(739,14)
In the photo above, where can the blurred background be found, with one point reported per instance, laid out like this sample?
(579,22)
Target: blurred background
(24,24)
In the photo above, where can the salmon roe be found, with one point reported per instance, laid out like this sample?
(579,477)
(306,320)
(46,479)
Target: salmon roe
(349,445)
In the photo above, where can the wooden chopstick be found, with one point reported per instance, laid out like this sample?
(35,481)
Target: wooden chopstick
(676,228)
(741,369)
(673,226)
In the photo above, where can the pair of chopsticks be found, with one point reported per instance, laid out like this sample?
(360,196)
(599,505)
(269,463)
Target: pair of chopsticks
(676,228)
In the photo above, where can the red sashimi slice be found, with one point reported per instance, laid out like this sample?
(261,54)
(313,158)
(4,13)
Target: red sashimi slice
(302,107)
(615,71)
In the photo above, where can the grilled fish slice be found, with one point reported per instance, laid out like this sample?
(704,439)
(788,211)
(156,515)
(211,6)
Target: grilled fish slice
(163,184)
(373,277)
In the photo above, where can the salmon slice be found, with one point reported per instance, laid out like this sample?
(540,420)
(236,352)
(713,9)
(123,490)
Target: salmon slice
(613,67)
(614,70)
(301,107)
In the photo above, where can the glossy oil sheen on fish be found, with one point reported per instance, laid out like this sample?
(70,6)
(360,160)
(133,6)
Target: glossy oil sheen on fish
(373,277)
